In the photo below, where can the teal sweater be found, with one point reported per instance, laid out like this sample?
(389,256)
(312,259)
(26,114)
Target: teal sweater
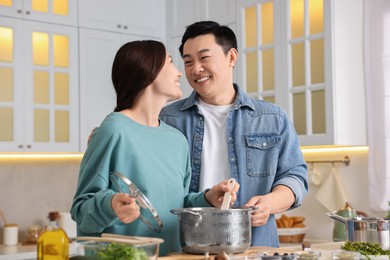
(155,159)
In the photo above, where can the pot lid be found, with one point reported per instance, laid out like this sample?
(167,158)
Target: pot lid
(148,214)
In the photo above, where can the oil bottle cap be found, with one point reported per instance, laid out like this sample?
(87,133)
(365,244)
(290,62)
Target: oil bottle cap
(53,215)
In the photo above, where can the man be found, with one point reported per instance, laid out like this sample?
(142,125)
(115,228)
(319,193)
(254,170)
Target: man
(233,136)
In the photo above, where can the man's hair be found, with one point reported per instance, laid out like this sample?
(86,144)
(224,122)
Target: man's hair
(224,36)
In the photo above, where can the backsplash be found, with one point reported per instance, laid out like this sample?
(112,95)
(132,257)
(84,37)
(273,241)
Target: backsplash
(30,189)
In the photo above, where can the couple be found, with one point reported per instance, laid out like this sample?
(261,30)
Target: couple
(226,135)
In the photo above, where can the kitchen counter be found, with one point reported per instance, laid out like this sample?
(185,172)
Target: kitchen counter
(25,252)
(325,249)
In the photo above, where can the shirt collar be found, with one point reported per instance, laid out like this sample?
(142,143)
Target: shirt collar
(241,100)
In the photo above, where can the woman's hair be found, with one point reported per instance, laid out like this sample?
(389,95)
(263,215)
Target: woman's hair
(224,36)
(136,66)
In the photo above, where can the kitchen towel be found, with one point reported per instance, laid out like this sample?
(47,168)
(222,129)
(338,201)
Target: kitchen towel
(331,193)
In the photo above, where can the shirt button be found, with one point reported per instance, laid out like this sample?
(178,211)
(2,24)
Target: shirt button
(264,144)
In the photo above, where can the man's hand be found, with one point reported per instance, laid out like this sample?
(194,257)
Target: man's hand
(279,200)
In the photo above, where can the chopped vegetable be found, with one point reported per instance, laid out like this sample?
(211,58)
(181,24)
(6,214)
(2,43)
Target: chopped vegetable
(365,248)
(117,251)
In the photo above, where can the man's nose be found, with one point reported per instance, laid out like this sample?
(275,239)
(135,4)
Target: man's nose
(197,68)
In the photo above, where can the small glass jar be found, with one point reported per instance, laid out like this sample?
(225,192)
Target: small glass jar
(345,255)
(307,255)
(32,234)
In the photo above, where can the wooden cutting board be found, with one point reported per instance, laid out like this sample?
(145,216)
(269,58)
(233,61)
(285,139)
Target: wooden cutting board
(185,256)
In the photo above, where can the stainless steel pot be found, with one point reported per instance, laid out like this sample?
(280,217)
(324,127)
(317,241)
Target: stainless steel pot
(212,230)
(366,229)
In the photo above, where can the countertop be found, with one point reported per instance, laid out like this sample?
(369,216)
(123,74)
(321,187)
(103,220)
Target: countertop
(29,251)
(325,249)
(25,252)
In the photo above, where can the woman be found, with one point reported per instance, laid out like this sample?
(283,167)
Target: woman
(133,141)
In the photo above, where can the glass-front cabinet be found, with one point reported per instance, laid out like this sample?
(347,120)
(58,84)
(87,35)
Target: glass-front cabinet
(38,86)
(306,56)
(52,11)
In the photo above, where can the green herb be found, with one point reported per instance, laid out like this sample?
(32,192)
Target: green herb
(117,251)
(365,248)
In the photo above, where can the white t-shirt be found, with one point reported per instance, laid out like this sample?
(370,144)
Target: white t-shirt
(215,162)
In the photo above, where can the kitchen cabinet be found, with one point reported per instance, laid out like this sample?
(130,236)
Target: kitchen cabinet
(39,87)
(136,17)
(307,57)
(97,94)
(51,11)
(180,14)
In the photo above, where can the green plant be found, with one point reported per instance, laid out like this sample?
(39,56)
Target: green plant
(118,251)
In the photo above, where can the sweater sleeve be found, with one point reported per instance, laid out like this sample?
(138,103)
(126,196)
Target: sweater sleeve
(91,207)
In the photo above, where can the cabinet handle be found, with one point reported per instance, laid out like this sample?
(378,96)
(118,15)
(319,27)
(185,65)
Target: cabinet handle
(20,146)
(119,26)
(19,11)
(27,12)
(29,146)
(125,27)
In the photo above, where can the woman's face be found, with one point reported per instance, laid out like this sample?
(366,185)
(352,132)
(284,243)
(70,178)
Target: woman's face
(167,81)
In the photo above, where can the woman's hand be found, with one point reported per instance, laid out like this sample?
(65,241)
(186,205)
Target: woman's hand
(125,207)
(214,196)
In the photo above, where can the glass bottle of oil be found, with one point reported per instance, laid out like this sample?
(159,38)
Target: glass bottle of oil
(53,243)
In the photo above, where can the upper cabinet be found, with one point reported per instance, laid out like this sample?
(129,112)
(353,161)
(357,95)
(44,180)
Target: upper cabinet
(136,17)
(52,11)
(97,94)
(183,13)
(38,86)
(307,57)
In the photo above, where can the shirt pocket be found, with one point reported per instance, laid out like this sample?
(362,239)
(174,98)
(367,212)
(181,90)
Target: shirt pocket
(262,154)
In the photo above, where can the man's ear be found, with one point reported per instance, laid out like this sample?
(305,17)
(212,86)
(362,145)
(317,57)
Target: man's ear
(233,55)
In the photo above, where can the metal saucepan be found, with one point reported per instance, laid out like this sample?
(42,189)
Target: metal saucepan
(212,230)
(366,229)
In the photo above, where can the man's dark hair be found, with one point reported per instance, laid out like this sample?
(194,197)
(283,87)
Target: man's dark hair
(224,36)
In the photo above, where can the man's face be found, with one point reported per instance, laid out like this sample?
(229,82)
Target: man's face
(208,70)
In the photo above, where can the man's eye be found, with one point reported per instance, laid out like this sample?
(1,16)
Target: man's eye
(187,63)
(204,57)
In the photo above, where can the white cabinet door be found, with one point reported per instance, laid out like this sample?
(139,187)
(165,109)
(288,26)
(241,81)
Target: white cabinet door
(221,11)
(136,17)
(309,60)
(180,14)
(51,11)
(11,85)
(97,94)
(44,82)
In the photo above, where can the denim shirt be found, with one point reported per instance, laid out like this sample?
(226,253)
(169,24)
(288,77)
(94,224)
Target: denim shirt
(263,150)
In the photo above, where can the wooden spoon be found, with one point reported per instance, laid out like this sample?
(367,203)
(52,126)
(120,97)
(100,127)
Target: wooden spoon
(228,195)
(3,218)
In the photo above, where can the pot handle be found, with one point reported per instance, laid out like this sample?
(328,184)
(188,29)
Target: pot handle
(337,217)
(178,213)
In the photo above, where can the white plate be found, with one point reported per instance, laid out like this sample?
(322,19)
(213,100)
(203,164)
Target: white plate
(291,231)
